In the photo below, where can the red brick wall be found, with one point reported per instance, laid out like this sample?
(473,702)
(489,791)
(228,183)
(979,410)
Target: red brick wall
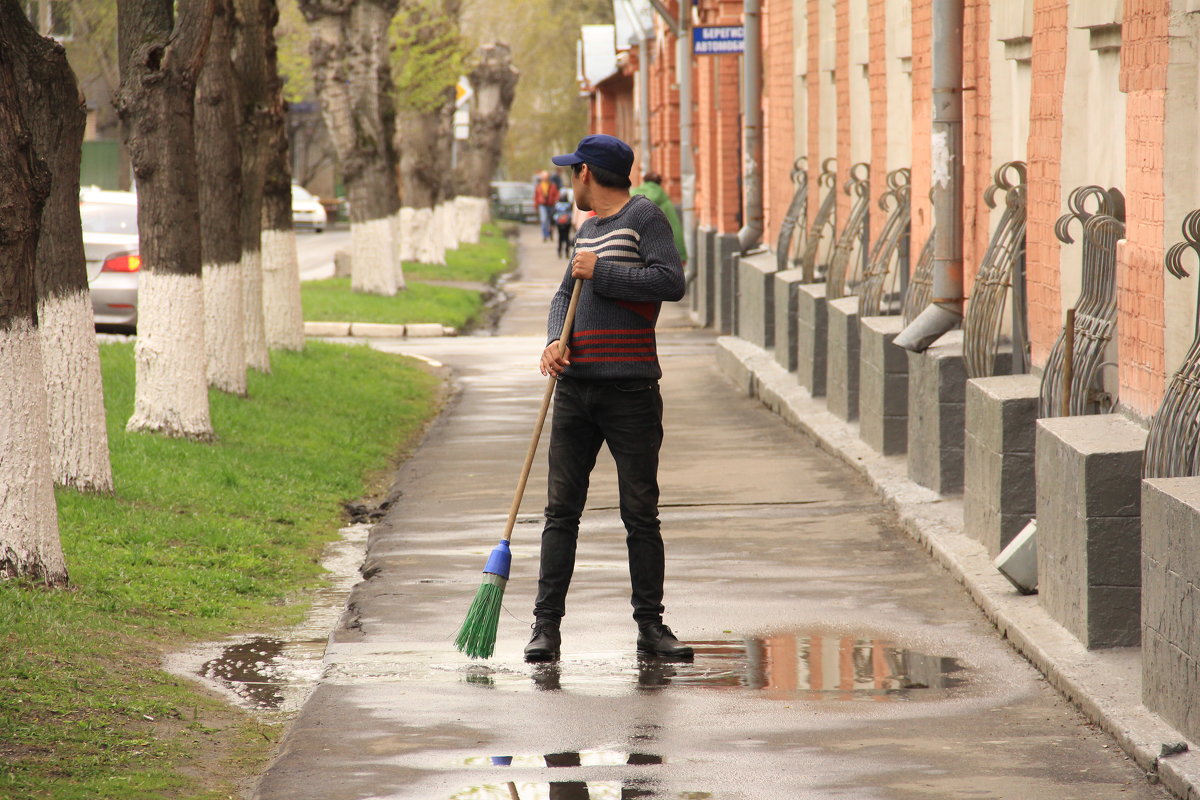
(922,65)
(779,127)
(877,79)
(1145,52)
(842,92)
(813,135)
(718,127)
(664,112)
(1045,160)
(977,136)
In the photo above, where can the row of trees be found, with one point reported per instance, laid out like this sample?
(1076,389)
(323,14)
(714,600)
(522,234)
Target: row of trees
(203,120)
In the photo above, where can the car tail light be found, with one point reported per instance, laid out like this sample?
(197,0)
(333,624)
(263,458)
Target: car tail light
(129,262)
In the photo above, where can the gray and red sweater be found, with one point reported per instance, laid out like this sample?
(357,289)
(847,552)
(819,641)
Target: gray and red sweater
(637,268)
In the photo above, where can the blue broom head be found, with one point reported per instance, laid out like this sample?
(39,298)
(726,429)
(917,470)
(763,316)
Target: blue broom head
(500,561)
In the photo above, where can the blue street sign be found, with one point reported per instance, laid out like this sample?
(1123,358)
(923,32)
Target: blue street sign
(715,40)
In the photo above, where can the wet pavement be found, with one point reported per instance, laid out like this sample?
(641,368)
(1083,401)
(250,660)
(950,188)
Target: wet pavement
(833,657)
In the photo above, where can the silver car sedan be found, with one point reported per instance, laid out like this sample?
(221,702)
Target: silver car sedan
(110,245)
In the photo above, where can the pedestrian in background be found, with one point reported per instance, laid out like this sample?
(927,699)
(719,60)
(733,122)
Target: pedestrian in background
(545,195)
(651,187)
(608,390)
(562,221)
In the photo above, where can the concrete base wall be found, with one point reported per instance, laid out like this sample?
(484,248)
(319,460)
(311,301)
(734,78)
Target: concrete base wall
(1089,529)
(936,415)
(1171,601)
(725,288)
(787,286)
(999,492)
(812,338)
(843,358)
(755,315)
(703,288)
(882,386)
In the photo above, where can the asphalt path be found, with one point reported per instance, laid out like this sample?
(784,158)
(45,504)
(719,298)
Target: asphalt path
(834,658)
(315,251)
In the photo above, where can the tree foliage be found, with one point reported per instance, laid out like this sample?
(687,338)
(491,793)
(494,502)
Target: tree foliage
(429,53)
(295,66)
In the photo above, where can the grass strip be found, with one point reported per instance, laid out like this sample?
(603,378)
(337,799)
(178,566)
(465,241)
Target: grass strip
(331,300)
(198,542)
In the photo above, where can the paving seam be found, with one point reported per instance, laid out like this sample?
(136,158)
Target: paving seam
(935,522)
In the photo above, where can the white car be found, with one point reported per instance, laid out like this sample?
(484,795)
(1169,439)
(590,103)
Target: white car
(110,246)
(307,211)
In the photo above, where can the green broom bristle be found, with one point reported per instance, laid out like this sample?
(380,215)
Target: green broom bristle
(477,636)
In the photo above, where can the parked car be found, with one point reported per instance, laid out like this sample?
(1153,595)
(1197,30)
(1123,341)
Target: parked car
(513,200)
(110,245)
(307,211)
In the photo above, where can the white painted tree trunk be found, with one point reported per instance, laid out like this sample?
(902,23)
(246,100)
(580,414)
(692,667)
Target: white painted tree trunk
(171,397)
(408,234)
(257,355)
(29,543)
(429,240)
(373,260)
(466,214)
(448,216)
(283,315)
(225,327)
(398,248)
(74,393)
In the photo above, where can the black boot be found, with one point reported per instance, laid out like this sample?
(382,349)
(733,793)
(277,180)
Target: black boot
(545,642)
(656,639)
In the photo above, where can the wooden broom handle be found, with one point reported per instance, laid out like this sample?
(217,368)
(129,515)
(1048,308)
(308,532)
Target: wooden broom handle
(541,420)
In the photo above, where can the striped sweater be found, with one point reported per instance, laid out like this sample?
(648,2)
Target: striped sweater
(637,268)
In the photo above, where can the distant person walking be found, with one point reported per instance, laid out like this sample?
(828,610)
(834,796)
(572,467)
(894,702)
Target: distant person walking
(651,188)
(562,221)
(545,196)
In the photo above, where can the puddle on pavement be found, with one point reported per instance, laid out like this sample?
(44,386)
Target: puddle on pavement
(785,666)
(572,790)
(582,758)
(276,673)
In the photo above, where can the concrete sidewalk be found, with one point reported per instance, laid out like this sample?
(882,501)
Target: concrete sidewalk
(834,658)
(1104,684)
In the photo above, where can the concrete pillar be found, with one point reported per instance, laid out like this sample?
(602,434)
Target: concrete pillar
(999,493)
(703,290)
(755,317)
(812,336)
(787,287)
(843,358)
(882,386)
(725,247)
(1171,601)
(937,382)
(1089,529)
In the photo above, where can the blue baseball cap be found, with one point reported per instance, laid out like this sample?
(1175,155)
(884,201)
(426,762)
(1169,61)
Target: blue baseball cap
(600,150)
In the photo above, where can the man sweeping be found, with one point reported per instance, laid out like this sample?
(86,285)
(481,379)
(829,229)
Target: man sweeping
(607,389)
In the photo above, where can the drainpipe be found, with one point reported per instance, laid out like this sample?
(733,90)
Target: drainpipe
(643,42)
(945,310)
(750,236)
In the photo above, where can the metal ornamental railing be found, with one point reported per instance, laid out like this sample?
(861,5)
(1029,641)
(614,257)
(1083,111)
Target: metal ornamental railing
(790,246)
(811,260)
(841,273)
(886,272)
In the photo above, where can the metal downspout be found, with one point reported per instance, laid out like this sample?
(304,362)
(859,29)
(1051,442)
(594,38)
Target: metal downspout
(945,310)
(750,236)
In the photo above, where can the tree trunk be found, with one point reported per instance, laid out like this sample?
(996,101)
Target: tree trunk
(159,65)
(53,108)
(29,543)
(351,74)
(282,313)
(421,140)
(250,61)
(494,81)
(219,167)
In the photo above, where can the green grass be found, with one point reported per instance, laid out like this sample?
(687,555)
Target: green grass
(199,541)
(332,300)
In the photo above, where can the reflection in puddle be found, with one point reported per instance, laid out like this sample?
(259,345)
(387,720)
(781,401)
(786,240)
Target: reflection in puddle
(571,790)
(582,758)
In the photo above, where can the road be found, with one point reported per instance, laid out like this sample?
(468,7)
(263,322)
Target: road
(834,658)
(315,251)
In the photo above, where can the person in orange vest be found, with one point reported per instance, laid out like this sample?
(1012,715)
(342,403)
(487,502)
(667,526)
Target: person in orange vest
(545,195)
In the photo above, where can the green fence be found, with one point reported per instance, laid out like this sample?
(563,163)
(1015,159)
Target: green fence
(101,164)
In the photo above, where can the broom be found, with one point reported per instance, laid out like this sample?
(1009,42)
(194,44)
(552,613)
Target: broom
(477,636)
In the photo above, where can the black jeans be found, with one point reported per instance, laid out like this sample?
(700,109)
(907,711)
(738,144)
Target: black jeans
(628,416)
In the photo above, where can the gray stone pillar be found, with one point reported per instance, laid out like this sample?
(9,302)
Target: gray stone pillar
(755,315)
(787,286)
(1089,529)
(703,290)
(1171,601)
(812,338)
(882,386)
(937,382)
(999,493)
(843,358)
(725,247)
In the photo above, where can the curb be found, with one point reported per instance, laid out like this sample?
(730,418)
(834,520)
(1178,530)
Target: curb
(1104,684)
(377,330)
